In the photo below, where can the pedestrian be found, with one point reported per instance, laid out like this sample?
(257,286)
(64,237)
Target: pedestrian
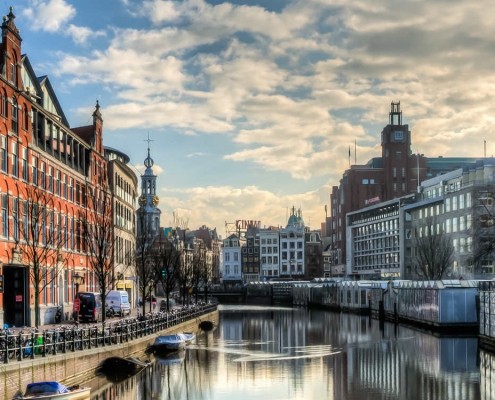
(153,302)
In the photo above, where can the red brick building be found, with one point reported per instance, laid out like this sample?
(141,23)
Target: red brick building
(46,169)
(396,173)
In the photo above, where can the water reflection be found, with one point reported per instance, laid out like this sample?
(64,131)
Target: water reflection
(280,353)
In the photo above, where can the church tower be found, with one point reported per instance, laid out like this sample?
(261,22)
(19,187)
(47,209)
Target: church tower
(148,215)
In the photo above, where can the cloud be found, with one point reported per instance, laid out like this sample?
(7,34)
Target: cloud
(290,89)
(49,15)
(217,206)
(81,34)
(54,15)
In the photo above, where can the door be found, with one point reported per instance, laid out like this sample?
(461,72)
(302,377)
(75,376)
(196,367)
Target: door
(16,296)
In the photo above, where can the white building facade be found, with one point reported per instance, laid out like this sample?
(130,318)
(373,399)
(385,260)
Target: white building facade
(269,253)
(231,260)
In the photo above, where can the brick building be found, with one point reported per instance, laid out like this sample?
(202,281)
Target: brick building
(397,173)
(47,168)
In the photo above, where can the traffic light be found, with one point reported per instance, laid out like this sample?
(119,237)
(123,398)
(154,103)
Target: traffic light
(164,273)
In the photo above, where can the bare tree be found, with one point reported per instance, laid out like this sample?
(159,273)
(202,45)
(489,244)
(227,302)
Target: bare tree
(185,272)
(201,269)
(483,228)
(434,251)
(166,263)
(145,271)
(41,245)
(98,238)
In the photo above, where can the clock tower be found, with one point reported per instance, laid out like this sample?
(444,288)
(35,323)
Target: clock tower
(148,215)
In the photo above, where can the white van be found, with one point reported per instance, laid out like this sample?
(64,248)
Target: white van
(118,300)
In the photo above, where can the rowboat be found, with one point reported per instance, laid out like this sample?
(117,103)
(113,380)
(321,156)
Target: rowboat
(52,390)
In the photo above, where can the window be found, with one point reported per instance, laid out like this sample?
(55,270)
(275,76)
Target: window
(227,257)
(14,114)
(15,162)
(57,184)
(43,176)
(25,120)
(15,218)
(3,154)
(5,216)
(4,104)
(25,174)
(25,220)
(236,256)
(35,171)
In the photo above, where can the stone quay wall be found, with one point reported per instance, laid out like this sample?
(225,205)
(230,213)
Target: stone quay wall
(77,367)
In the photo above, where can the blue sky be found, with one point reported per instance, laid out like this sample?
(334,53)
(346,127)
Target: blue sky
(252,105)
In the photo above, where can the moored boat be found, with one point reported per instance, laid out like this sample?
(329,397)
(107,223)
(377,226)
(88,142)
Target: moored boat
(189,337)
(117,369)
(52,390)
(166,343)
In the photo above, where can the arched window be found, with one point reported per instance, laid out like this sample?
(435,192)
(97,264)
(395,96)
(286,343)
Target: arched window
(14,114)
(3,103)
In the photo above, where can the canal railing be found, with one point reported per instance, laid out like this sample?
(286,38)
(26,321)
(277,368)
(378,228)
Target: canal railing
(30,343)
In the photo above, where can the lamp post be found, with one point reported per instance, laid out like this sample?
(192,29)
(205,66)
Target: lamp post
(291,266)
(77,279)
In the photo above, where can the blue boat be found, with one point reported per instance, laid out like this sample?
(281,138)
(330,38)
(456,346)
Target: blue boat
(52,390)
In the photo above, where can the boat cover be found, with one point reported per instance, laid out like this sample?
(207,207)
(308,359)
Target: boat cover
(50,387)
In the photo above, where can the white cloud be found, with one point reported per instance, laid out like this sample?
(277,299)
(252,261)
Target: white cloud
(49,15)
(292,90)
(217,205)
(81,34)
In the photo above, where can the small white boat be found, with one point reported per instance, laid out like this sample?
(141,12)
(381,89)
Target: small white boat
(189,337)
(167,343)
(173,342)
(52,390)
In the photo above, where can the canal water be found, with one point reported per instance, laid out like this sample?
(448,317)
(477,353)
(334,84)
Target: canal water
(284,353)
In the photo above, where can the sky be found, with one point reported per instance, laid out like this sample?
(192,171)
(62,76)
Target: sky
(252,106)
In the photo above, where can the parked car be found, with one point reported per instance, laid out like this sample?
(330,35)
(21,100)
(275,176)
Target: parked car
(118,301)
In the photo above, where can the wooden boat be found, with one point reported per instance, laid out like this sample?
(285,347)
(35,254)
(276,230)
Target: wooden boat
(117,369)
(52,390)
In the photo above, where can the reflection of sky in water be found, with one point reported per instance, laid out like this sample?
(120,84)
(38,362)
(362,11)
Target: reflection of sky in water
(264,353)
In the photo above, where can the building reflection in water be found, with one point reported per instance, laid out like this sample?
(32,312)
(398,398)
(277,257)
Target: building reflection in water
(265,352)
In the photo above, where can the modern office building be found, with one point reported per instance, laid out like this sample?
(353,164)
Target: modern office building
(397,173)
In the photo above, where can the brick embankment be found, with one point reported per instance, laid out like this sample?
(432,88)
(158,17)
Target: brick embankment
(76,367)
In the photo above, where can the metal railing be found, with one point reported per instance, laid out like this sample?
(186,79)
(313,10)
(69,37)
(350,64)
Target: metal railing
(30,343)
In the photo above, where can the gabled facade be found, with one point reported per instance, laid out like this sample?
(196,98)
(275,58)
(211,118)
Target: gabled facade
(269,253)
(40,154)
(292,247)
(231,260)
(123,186)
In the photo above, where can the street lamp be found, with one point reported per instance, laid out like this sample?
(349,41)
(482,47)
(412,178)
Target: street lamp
(78,280)
(292,263)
